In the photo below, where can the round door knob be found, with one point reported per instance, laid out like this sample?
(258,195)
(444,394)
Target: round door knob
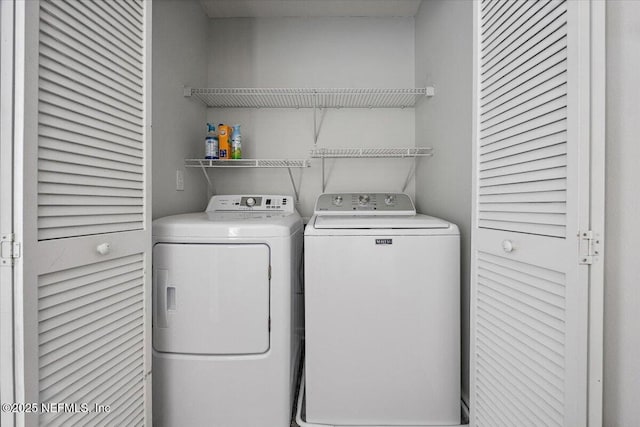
(103,248)
(250,202)
(390,199)
(507,245)
(363,199)
(337,200)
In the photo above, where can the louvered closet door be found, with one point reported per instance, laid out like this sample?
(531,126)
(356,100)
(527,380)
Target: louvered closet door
(529,291)
(85,151)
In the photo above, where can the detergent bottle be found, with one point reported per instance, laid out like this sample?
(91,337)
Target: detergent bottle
(236,143)
(211,142)
(223,139)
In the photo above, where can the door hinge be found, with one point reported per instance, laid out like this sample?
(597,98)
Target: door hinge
(589,247)
(9,249)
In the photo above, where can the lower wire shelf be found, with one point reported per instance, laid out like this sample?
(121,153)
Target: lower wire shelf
(323,153)
(246,163)
(358,153)
(288,164)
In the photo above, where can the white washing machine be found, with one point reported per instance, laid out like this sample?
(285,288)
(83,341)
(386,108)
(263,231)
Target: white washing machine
(382,313)
(227,313)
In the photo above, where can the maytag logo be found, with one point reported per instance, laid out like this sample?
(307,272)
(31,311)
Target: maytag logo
(384,241)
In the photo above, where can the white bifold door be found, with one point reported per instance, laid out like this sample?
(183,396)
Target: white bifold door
(82,211)
(537,217)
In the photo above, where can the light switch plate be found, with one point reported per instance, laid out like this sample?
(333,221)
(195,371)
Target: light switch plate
(179,180)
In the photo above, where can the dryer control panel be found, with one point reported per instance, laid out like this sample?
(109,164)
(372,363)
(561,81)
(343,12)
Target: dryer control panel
(251,202)
(364,204)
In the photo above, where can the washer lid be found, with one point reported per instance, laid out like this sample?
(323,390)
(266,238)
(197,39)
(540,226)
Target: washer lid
(418,221)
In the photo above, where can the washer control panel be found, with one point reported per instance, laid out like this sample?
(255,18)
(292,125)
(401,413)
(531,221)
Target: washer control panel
(364,204)
(248,202)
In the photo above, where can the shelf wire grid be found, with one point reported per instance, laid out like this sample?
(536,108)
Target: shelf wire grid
(371,152)
(247,163)
(308,97)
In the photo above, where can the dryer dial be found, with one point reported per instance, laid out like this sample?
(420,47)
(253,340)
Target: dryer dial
(364,199)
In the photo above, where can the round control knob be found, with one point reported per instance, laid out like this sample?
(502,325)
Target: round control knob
(390,199)
(363,199)
(337,200)
(250,202)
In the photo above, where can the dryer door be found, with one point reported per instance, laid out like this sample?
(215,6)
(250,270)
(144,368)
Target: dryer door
(211,298)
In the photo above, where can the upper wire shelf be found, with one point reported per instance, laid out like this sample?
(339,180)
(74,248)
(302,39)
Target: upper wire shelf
(371,152)
(308,97)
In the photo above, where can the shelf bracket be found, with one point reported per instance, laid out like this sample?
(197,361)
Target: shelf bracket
(412,170)
(206,176)
(324,183)
(296,194)
(315,118)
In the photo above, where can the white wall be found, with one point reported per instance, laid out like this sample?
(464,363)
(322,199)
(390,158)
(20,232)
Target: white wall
(314,52)
(444,48)
(178,123)
(622,234)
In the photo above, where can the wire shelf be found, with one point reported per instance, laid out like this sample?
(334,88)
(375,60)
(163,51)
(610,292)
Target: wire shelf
(307,97)
(247,163)
(371,152)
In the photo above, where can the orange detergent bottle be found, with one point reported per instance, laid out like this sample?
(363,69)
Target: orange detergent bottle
(223,137)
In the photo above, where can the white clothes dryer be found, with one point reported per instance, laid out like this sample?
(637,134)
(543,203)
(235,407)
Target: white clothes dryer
(382,313)
(227,313)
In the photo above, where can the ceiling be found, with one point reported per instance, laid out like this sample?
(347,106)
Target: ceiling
(306,8)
